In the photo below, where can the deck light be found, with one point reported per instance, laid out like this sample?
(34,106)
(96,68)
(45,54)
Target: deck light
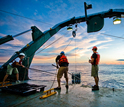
(69,28)
(116,20)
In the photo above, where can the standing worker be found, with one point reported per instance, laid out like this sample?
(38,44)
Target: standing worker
(62,61)
(13,66)
(94,71)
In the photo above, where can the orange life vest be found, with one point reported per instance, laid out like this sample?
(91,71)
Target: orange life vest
(63,59)
(97,59)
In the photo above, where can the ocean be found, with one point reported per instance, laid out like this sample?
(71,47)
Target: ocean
(110,76)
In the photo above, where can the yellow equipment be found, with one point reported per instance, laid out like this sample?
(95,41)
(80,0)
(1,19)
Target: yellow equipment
(6,83)
(48,93)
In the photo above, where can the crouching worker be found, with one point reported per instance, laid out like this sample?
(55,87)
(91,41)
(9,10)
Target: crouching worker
(13,67)
(62,61)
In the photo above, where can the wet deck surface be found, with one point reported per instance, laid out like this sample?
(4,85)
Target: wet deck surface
(76,96)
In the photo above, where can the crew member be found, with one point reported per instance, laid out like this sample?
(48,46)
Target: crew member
(13,67)
(95,58)
(62,63)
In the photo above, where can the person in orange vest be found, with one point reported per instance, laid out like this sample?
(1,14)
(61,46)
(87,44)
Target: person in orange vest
(13,67)
(62,63)
(95,58)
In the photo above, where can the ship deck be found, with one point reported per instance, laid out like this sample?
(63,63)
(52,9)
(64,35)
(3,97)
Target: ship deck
(76,96)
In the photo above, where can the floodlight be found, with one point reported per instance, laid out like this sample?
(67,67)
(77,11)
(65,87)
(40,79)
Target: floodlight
(116,20)
(69,28)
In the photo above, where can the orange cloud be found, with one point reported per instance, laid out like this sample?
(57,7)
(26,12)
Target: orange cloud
(113,63)
(16,42)
(44,59)
(4,59)
(5,47)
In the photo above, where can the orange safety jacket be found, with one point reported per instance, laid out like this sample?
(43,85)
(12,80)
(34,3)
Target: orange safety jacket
(97,59)
(63,59)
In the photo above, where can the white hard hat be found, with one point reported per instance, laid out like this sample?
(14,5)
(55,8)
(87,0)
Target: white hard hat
(22,54)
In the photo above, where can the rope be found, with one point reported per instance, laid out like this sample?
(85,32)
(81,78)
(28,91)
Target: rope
(68,44)
(42,71)
(48,45)
(51,43)
(68,72)
(75,54)
(37,95)
(50,87)
(112,36)
(24,17)
(54,79)
(71,75)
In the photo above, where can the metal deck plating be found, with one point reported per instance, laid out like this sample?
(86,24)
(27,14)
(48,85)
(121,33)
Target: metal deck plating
(76,96)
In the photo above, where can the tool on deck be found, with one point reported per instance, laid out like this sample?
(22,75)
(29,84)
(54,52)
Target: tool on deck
(6,83)
(48,93)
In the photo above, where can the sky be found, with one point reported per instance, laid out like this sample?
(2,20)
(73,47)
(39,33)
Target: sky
(51,12)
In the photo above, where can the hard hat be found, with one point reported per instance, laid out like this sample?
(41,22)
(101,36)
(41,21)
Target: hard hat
(62,52)
(22,54)
(94,48)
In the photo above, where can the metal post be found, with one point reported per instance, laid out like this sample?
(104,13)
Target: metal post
(22,33)
(85,11)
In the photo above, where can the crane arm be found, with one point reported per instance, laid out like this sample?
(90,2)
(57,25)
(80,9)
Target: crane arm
(10,37)
(39,38)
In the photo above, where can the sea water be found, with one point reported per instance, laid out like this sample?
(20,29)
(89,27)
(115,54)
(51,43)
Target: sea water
(111,76)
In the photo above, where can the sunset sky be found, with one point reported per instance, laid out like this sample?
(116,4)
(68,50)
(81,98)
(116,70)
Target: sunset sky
(51,12)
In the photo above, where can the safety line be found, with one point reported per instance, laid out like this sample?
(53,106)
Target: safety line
(42,71)
(71,75)
(53,80)
(39,95)
(75,54)
(112,36)
(68,44)
(25,17)
(52,43)
(68,72)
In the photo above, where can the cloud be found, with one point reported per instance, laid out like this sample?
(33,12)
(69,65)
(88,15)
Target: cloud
(2,23)
(16,42)
(103,46)
(120,60)
(84,43)
(3,35)
(28,37)
(6,52)
(4,59)
(5,47)
(44,57)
